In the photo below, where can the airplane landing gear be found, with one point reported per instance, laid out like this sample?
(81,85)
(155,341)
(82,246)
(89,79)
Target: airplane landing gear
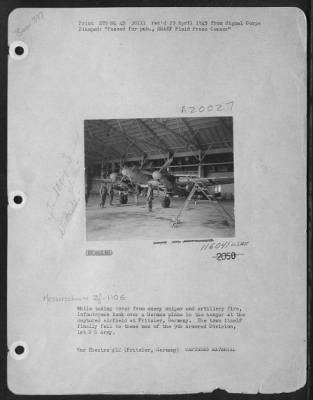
(123,198)
(166,202)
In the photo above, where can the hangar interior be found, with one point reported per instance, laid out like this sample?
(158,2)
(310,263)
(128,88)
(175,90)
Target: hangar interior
(196,147)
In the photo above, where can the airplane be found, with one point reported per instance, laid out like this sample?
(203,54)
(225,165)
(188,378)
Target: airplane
(130,177)
(171,184)
(144,176)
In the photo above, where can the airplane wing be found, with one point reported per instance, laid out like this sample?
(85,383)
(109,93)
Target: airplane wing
(211,181)
(104,180)
(149,171)
(117,185)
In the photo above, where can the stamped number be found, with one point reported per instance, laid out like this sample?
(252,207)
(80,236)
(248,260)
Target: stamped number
(226,256)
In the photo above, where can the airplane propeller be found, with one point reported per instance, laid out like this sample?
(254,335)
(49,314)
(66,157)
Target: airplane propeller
(157,175)
(131,172)
(127,172)
(167,163)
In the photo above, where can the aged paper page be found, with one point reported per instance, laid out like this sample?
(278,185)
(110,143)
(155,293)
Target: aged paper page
(157,197)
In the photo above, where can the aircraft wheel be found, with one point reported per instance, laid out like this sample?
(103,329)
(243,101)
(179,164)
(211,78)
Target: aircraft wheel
(123,198)
(166,201)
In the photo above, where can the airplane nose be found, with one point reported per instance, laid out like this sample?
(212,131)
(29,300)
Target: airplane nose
(113,176)
(156,175)
(128,172)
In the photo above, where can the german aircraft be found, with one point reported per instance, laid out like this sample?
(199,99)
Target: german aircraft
(172,185)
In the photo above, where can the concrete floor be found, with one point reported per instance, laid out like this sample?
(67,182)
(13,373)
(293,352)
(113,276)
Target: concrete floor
(202,220)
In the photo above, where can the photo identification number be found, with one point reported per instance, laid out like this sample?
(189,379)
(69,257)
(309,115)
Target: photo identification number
(223,107)
(226,256)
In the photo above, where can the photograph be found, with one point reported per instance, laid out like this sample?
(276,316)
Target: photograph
(156,201)
(161,178)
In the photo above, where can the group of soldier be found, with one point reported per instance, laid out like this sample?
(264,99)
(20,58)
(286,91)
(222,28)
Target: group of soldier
(107,189)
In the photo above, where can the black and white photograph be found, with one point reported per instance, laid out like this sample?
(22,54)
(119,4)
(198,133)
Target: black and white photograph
(156,201)
(159,178)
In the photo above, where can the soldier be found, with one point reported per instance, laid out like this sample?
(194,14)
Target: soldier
(103,194)
(150,197)
(136,194)
(111,193)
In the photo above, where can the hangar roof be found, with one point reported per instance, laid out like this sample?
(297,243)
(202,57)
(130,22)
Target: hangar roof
(134,139)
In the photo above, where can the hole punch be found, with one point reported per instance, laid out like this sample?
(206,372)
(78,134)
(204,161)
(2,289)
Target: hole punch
(17,199)
(19,350)
(18,50)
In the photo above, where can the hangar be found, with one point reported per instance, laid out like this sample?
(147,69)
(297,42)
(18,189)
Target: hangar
(160,178)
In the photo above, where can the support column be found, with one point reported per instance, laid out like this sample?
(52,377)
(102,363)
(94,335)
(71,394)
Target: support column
(200,167)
